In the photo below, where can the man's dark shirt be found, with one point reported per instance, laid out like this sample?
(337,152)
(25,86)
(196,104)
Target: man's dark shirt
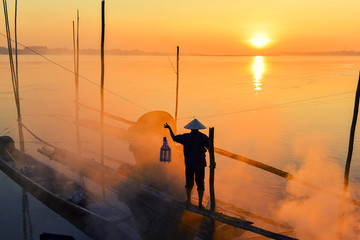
(195,144)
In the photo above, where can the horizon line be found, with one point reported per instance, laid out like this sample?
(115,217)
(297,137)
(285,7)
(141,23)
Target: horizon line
(137,52)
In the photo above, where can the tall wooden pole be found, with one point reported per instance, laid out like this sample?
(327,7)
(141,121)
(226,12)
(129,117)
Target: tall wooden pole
(77,48)
(76,70)
(74,40)
(102,77)
(102,85)
(177,83)
(102,43)
(212,169)
(21,133)
(352,134)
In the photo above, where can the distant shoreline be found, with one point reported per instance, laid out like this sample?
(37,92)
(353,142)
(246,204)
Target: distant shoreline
(43,50)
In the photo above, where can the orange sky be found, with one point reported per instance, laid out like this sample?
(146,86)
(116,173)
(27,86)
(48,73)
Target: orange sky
(198,26)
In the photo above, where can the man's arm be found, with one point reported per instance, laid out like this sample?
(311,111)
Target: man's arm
(171,132)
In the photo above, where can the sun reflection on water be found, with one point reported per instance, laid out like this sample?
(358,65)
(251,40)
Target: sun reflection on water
(258,68)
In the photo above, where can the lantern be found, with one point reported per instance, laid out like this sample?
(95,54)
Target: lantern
(165,151)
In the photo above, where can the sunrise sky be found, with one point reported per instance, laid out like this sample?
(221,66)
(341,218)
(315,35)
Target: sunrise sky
(198,26)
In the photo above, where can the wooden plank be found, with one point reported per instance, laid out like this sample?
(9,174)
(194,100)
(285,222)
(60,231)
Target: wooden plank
(236,222)
(254,163)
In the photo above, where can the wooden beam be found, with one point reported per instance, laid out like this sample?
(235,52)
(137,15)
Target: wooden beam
(236,222)
(283,174)
(254,163)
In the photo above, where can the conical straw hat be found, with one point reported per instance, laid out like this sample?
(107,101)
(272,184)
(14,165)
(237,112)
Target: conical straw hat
(195,124)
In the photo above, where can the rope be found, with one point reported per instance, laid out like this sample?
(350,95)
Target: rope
(6,129)
(172,65)
(38,138)
(286,104)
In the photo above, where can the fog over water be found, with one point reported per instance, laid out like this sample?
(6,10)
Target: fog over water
(293,113)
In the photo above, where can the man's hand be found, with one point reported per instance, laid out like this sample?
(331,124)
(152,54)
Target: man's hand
(166,125)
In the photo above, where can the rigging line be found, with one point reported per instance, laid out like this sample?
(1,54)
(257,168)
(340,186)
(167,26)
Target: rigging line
(172,65)
(39,139)
(8,127)
(68,70)
(273,106)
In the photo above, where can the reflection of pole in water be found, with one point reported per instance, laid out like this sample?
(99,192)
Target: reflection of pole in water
(26,217)
(258,68)
(76,74)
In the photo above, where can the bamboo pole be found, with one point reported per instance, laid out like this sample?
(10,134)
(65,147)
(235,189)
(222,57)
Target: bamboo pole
(102,61)
(15,80)
(212,169)
(74,47)
(77,80)
(102,74)
(282,174)
(77,48)
(352,135)
(102,85)
(341,213)
(254,163)
(76,75)
(16,51)
(21,133)
(177,84)
(14,70)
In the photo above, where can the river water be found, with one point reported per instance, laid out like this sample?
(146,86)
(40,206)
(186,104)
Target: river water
(290,112)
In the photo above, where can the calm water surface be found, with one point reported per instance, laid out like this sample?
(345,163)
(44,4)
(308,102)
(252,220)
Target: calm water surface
(276,110)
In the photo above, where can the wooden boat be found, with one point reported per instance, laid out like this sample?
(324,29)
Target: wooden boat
(158,214)
(154,214)
(83,209)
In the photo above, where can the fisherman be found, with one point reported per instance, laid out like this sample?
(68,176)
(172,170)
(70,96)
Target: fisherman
(195,144)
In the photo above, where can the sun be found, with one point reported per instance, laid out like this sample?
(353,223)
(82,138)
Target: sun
(259,40)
